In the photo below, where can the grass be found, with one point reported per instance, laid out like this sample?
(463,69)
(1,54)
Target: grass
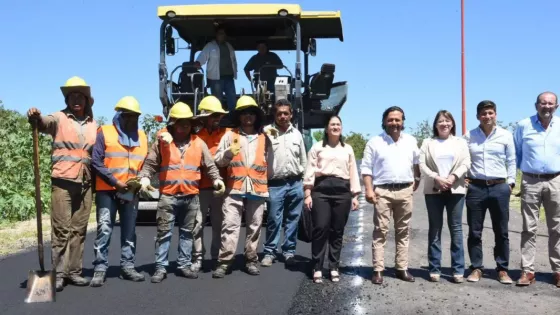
(18,236)
(515,201)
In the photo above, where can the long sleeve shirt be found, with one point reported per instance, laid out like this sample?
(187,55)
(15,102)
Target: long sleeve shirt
(289,158)
(328,161)
(98,160)
(248,148)
(211,54)
(536,148)
(493,156)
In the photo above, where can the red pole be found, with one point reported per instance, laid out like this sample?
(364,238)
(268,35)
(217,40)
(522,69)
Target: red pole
(463,104)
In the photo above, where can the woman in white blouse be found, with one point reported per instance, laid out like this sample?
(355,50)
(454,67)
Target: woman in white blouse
(332,187)
(444,162)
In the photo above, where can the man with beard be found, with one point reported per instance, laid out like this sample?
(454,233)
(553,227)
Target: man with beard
(285,185)
(246,152)
(491,179)
(73,131)
(118,155)
(211,113)
(387,170)
(537,145)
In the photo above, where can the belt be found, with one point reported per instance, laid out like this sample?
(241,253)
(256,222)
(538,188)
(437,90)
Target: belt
(542,176)
(487,182)
(283,181)
(395,185)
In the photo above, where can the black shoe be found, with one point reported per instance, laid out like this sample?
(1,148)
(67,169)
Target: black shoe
(132,275)
(404,275)
(98,279)
(289,260)
(59,284)
(77,280)
(159,275)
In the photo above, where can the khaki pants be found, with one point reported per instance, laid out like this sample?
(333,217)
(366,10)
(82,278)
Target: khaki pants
(213,203)
(396,202)
(71,207)
(232,209)
(534,193)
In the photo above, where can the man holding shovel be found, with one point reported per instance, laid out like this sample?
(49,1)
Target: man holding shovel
(118,156)
(73,131)
(178,156)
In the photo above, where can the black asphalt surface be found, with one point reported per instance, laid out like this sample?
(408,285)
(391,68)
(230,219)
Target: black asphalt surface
(271,292)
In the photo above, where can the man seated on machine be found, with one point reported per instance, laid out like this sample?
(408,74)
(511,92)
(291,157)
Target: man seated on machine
(262,58)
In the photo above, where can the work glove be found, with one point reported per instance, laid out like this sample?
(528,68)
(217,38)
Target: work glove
(166,136)
(133,184)
(235,147)
(219,187)
(146,185)
(273,132)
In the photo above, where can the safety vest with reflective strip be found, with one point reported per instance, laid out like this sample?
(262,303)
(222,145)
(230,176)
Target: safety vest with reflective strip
(212,141)
(237,171)
(180,174)
(121,161)
(69,154)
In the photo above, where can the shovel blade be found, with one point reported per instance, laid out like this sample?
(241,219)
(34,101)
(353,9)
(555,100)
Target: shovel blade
(41,287)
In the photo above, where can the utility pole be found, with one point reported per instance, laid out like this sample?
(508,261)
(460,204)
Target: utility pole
(463,96)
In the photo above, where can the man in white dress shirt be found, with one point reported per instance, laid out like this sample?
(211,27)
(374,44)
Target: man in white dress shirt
(391,175)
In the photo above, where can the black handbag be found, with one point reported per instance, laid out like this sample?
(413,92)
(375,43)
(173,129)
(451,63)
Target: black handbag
(305,226)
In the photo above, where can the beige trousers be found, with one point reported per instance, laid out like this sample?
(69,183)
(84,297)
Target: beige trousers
(398,203)
(534,193)
(232,210)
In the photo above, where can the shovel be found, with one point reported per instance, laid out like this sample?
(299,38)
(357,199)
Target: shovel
(40,283)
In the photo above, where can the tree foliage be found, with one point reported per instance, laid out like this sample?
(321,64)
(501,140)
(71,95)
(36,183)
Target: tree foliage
(318,135)
(422,131)
(358,143)
(151,124)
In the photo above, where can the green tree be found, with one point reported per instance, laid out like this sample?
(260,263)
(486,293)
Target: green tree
(101,120)
(358,143)
(422,131)
(318,135)
(151,124)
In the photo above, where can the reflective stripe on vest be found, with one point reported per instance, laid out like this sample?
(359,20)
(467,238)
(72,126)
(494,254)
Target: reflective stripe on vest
(212,141)
(180,174)
(121,161)
(69,154)
(238,172)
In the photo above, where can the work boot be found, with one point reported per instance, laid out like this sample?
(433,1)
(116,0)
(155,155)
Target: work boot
(77,280)
(187,272)
(59,284)
(159,275)
(132,275)
(220,271)
(196,265)
(98,279)
(267,261)
(252,269)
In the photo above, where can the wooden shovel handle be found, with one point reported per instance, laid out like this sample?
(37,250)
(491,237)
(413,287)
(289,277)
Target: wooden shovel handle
(38,203)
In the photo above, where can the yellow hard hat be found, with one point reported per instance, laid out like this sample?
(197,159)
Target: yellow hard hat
(77,84)
(180,111)
(209,105)
(129,103)
(244,102)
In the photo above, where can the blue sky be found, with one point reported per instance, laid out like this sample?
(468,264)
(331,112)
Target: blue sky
(398,52)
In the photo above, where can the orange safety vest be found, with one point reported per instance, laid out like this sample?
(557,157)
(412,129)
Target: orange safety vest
(121,161)
(212,141)
(180,174)
(237,171)
(69,154)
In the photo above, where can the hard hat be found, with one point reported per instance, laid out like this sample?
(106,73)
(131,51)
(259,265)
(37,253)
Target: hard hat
(129,103)
(210,105)
(180,111)
(77,84)
(244,102)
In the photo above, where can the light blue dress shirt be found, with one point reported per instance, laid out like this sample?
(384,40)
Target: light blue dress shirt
(538,149)
(492,157)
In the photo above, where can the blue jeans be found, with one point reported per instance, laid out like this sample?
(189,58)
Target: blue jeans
(496,200)
(183,209)
(454,204)
(107,206)
(285,200)
(227,86)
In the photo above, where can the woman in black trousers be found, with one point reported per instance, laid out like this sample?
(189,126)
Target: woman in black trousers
(332,187)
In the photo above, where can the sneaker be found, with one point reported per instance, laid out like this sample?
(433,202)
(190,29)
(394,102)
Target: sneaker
(458,279)
(59,284)
(77,280)
(187,272)
(434,277)
(504,278)
(475,275)
(289,260)
(220,271)
(132,275)
(196,265)
(98,279)
(159,275)
(267,261)
(252,269)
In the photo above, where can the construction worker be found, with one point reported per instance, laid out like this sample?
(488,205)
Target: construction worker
(211,113)
(118,155)
(178,156)
(73,131)
(247,153)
